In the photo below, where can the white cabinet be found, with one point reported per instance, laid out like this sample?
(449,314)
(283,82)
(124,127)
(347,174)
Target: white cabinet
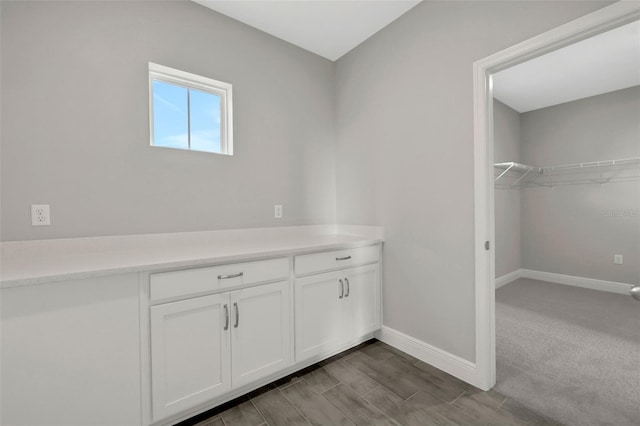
(261,332)
(190,282)
(70,353)
(163,344)
(361,302)
(219,329)
(336,259)
(318,314)
(335,308)
(190,354)
(203,347)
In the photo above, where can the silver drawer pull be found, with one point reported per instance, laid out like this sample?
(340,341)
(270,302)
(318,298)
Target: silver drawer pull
(341,289)
(347,281)
(226,316)
(235,305)
(343,258)
(226,277)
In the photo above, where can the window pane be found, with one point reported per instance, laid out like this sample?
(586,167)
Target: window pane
(170,122)
(205,121)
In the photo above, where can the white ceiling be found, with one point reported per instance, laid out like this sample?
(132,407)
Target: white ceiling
(597,65)
(329,28)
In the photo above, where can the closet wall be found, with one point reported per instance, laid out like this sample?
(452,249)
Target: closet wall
(570,229)
(577,229)
(506,136)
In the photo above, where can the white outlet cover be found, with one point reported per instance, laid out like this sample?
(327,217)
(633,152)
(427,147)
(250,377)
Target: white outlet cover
(277,211)
(40,215)
(618,259)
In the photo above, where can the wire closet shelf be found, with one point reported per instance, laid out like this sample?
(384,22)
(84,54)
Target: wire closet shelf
(516,175)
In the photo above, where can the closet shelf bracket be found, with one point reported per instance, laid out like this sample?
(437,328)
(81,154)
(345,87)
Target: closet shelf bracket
(522,169)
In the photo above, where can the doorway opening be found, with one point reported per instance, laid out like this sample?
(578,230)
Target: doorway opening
(601,21)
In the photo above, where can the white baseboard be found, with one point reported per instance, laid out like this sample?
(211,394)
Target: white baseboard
(443,360)
(590,283)
(467,370)
(507,278)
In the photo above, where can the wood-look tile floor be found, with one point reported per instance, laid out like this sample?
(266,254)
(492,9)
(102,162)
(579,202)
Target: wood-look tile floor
(372,384)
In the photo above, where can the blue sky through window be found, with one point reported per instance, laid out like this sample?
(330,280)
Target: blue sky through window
(205,121)
(171,120)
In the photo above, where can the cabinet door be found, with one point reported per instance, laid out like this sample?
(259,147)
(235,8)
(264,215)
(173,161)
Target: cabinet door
(318,310)
(261,331)
(190,353)
(362,306)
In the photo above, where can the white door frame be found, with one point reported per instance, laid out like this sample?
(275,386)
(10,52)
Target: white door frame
(602,20)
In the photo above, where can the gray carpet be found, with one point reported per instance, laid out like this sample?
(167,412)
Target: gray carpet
(568,352)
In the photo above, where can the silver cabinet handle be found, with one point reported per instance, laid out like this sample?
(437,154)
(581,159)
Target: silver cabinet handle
(341,289)
(343,258)
(235,305)
(347,281)
(226,277)
(226,316)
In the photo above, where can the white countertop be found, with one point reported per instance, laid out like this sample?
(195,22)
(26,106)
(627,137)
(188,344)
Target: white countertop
(40,261)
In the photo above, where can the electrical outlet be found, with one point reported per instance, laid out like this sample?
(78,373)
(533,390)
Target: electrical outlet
(618,259)
(277,211)
(40,215)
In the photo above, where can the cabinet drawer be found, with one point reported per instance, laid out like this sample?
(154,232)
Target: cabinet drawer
(165,285)
(337,259)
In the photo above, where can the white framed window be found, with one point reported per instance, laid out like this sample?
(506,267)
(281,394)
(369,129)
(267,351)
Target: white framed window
(188,111)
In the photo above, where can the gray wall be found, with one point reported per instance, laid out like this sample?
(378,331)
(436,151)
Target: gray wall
(506,140)
(405,152)
(75,134)
(569,229)
(75,126)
